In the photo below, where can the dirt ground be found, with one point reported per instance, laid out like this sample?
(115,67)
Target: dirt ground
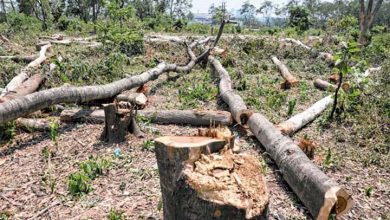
(131,184)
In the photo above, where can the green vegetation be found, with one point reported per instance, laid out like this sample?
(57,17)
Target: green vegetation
(116,215)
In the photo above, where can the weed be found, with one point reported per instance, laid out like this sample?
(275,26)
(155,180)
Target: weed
(148,145)
(192,94)
(7,132)
(328,162)
(116,215)
(54,131)
(276,99)
(291,106)
(94,167)
(79,184)
(369,191)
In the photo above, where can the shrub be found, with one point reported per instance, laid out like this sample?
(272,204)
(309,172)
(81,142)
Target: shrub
(79,184)
(299,18)
(94,167)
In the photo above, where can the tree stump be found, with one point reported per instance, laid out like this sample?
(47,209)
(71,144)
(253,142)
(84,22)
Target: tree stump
(118,122)
(201,181)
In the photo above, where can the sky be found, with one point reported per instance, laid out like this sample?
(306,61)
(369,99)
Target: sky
(202,6)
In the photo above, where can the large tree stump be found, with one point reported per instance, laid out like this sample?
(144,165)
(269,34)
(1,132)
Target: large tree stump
(198,183)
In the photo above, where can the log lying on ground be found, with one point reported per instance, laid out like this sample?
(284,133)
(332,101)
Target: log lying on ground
(320,194)
(20,106)
(324,85)
(20,58)
(132,97)
(31,124)
(199,182)
(300,120)
(27,87)
(236,104)
(25,73)
(326,56)
(189,117)
(290,79)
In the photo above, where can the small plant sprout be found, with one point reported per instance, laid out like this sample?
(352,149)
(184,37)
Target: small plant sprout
(116,215)
(291,106)
(148,145)
(369,191)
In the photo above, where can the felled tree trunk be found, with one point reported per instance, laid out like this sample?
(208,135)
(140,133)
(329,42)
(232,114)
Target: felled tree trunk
(199,182)
(30,103)
(132,97)
(24,74)
(236,104)
(19,58)
(290,79)
(320,194)
(324,85)
(190,117)
(34,124)
(27,87)
(300,120)
(326,56)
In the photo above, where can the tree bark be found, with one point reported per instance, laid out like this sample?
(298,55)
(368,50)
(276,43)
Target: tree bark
(189,117)
(236,104)
(200,182)
(132,97)
(300,120)
(367,17)
(324,85)
(19,58)
(290,79)
(118,123)
(320,194)
(24,74)
(30,103)
(32,124)
(27,87)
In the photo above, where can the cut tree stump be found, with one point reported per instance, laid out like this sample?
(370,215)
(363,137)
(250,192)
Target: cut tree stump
(291,81)
(200,181)
(118,122)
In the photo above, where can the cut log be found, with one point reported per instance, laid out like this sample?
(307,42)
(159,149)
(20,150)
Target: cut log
(20,106)
(290,79)
(31,124)
(296,42)
(190,117)
(132,97)
(326,56)
(199,182)
(20,58)
(324,85)
(25,72)
(236,104)
(320,194)
(27,87)
(300,120)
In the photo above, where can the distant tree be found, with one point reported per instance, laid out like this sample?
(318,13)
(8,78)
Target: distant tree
(299,18)
(248,12)
(218,13)
(367,16)
(181,8)
(266,9)
(3,10)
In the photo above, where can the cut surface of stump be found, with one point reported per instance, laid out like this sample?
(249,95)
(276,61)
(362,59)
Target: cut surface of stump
(201,179)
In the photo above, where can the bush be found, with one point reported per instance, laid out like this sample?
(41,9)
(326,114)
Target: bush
(198,28)
(19,22)
(299,18)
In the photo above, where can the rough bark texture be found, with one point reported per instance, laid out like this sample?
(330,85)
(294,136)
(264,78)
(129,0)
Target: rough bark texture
(190,117)
(290,79)
(366,17)
(25,72)
(197,184)
(236,104)
(320,194)
(324,85)
(24,105)
(300,120)
(117,123)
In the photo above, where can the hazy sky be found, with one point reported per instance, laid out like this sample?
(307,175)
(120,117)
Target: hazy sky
(202,6)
